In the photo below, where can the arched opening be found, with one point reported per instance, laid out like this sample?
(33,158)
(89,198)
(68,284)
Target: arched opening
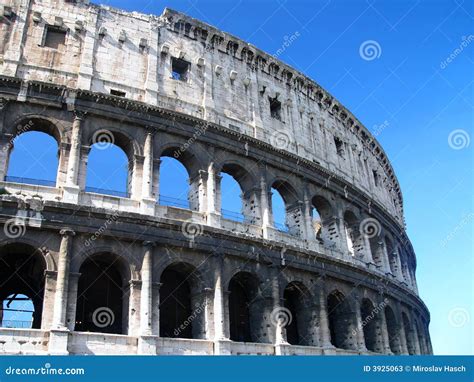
(409,334)
(371,325)
(22,282)
(245,313)
(393,330)
(287,214)
(108,170)
(101,305)
(236,202)
(231,198)
(278,211)
(355,241)
(178,183)
(181,311)
(34,159)
(297,298)
(17,312)
(324,225)
(341,321)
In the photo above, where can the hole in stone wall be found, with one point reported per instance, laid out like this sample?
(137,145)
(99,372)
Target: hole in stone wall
(275,108)
(179,69)
(55,37)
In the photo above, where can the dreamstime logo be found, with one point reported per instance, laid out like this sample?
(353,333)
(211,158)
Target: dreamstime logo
(370,228)
(370,50)
(458,317)
(191,230)
(14,228)
(280,140)
(103,317)
(281,316)
(103,139)
(459,139)
(287,42)
(466,40)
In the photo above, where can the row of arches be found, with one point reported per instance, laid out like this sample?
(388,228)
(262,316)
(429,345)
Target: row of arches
(104,285)
(109,166)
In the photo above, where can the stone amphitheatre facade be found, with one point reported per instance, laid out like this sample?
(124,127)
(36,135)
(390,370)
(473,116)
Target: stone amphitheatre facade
(123,274)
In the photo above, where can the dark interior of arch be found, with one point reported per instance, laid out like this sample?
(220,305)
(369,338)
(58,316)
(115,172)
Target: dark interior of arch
(340,321)
(369,322)
(100,296)
(242,290)
(175,303)
(22,273)
(297,331)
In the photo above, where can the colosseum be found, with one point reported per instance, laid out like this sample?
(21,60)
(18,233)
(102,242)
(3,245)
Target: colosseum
(126,273)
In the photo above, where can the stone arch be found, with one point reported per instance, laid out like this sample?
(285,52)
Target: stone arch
(182,303)
(190,159)
(393,330)
(246,312)
(107,142)
(341,319)
(293,211)
(27,125)
(324,222)
(130,146)
(102,303)
(246,181)
(39,122)
(354,238)
(22,271)
(299,302)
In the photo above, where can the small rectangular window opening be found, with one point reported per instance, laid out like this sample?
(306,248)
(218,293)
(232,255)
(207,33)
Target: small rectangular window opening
(117,93)
(55,37)
(376,178)
(275,108)
(179,69)
(339,146)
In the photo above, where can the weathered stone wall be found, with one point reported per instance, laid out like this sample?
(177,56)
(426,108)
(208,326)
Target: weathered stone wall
(230,82)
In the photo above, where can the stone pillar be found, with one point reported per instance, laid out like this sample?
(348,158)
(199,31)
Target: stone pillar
(58,342)
(72,301)
(265,205)
(146,290)
(6,146)
(146,344)
(155,322)
(147,204)
(307,209)
(359,325)
(72,189)
(135,177)
(416,339)
(280,331)
(325,334)
(251,206)
(403,336)
(386,259)
(213,197)
(198,192)
(221,336)
(384,330)
(60,297)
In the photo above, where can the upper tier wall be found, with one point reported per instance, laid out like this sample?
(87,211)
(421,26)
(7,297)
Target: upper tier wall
(229,82)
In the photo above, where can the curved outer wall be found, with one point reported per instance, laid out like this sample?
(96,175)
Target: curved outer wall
(222,118)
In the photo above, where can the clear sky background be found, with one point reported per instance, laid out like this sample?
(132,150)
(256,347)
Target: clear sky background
(419,105)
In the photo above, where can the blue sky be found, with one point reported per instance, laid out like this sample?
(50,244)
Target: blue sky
(418,104)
